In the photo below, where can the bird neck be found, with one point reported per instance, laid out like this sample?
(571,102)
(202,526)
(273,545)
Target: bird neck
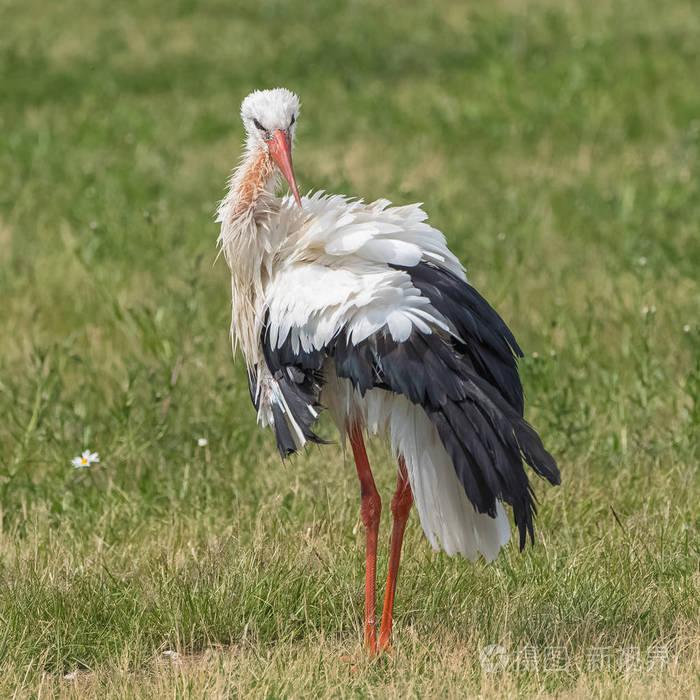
(251,189)
(245,242)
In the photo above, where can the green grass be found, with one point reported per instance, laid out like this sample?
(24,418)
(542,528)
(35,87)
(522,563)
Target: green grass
(555,143)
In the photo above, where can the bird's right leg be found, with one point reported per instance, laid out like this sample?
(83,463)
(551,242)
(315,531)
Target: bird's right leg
(400,508)
(371,512)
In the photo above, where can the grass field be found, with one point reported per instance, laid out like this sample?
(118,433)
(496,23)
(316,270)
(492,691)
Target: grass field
(556,144)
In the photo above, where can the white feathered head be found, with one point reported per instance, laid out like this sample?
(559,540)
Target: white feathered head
(270,118)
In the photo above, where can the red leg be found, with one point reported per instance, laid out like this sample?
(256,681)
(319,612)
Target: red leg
(400,508)
(371,512)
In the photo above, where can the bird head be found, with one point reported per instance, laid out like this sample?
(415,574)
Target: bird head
(270,118)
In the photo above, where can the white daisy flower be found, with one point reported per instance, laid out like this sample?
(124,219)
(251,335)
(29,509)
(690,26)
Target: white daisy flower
(86,459)
(686,328)
(202,442)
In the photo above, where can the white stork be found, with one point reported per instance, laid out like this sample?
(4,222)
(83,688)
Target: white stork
(363,310)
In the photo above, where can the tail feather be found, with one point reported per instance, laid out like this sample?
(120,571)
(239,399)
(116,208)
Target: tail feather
(449,520)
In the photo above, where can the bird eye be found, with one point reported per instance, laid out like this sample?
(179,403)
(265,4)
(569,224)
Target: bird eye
(258,124)
(293,119)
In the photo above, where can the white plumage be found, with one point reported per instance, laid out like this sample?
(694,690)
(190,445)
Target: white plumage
(362,309)
(328,270)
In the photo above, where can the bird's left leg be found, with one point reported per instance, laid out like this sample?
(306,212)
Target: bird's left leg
(371,512)
(400,508)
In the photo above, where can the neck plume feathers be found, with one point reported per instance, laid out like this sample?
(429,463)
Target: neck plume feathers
(244,244)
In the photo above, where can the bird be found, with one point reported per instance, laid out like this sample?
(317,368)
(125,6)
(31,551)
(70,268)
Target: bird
(362,310)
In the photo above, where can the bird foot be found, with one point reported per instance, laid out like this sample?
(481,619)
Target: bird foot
(351,660)
(386,648)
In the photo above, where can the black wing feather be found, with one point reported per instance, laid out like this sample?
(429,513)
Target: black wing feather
(488,342)
(469,388)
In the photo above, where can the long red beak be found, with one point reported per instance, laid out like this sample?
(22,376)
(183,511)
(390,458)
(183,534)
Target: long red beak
(280,147)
